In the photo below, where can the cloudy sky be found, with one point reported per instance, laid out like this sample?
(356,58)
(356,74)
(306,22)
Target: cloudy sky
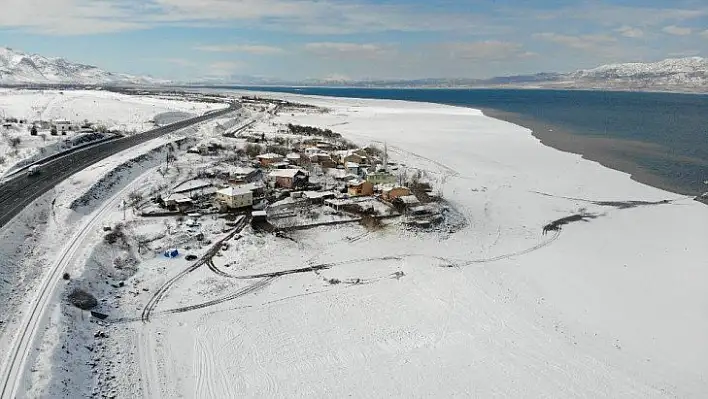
(299,39)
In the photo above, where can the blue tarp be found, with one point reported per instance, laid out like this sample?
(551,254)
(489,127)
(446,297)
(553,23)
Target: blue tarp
(171,253)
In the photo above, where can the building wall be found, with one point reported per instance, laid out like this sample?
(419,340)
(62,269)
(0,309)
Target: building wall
(284,182)
(397,192)
(365,188)
(380,178)
(236,201)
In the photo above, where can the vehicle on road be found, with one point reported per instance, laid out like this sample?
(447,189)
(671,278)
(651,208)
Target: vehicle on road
(34,170)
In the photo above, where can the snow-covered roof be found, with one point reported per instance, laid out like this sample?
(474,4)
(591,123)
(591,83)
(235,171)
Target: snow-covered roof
(389,187)
(317,194)
(285,173)
(293,155)
(269,155)
(176,197)
(241,170)
(357,182)
(261,214)
(234,191)
(352,165)
(250,186)
(409,199)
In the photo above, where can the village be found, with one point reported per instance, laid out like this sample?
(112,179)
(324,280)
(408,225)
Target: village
(290,177)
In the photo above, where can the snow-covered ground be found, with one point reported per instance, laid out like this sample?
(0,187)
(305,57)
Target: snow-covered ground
(114,111)
(610,306)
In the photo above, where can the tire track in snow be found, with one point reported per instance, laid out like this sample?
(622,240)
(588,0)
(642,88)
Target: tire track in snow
(243,291)
(162,291)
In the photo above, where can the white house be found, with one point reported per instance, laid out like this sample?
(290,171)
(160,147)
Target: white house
(235,197)
(62,125)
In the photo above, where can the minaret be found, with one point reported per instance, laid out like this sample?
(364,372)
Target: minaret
(385,157)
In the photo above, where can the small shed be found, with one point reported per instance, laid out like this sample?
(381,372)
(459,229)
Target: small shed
(259,216)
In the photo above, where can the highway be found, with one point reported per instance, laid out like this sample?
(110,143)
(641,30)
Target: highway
(22,189)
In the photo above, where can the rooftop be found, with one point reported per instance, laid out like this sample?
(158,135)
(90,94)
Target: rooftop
(233,191)
(285,173)
(269,155)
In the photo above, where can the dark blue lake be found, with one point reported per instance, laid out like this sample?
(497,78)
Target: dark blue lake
(661,138)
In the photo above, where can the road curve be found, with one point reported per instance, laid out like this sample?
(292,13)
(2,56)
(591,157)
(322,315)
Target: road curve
(22,189)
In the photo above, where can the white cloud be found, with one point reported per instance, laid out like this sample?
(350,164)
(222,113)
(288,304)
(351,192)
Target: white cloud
(628,31)
(224,68)
(302,16)
(583,42)
(241,48)
(357,50)
(491,50)
(676,30)
(611,14)
(71,17)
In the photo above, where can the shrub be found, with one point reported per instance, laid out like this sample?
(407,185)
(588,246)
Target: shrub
(252,150)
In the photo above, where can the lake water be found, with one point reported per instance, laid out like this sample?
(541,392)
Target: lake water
(660,138)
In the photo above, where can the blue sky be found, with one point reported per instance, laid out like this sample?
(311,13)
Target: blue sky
(355,39)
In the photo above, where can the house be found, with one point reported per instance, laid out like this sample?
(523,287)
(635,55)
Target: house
(269,159)
(381,178)
(360,187)
(324,146)
(390,193)
(310,151)
(356,158)
(407,201)
(62,125)
(235,197)
(289,178)
(179,201)
(352,167)
(293,158)
(244,174)
(323,159)
(257,188)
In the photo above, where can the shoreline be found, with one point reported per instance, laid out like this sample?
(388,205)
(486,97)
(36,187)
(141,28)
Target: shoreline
(604,151)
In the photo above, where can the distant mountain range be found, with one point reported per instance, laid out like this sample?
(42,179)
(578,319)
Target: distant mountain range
(680,74)
(18,68)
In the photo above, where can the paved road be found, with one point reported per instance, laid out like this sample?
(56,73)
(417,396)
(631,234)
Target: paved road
(22,189)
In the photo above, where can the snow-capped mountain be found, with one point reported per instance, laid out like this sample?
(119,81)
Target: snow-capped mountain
(21,68)
(689,72)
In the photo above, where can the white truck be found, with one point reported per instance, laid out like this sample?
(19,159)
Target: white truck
(34,169)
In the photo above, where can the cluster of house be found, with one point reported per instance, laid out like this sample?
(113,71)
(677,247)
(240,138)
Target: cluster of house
(270,177)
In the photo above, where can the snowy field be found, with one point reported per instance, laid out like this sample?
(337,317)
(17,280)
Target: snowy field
(114,111)
(613,305)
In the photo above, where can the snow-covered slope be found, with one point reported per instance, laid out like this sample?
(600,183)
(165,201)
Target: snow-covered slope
(21,68)
(689,72)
